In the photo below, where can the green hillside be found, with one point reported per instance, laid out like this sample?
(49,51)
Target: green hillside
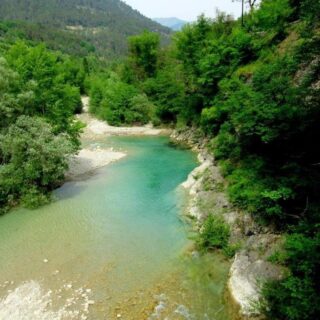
(104,24)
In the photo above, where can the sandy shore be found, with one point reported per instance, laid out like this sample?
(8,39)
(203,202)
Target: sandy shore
(89,160)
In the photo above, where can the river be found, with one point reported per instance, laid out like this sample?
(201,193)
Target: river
(112,245)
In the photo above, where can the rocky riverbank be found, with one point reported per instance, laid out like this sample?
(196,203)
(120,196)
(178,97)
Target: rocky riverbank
(250,266)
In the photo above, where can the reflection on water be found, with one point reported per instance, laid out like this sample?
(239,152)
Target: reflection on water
(112,246)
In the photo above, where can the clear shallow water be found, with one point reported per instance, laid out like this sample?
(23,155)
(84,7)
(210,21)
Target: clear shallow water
(117,236)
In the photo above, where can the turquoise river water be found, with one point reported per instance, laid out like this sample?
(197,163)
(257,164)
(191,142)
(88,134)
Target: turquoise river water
(113,245)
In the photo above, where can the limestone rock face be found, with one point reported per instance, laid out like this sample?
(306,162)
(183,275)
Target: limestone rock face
(193,185)
(249,271)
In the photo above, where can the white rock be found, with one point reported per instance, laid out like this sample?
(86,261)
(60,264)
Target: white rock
(245,276)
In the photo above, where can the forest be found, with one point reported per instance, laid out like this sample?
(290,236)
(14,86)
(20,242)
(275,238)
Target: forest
(251,88)
(78,25)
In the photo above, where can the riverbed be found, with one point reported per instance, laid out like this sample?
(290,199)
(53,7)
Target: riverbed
(112,245)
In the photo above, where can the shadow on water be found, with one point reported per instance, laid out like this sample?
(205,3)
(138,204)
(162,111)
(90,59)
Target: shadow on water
(70,189)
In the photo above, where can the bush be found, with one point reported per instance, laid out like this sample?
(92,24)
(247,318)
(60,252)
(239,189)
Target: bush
(115,103)
(214,234)
(34,198)
(230,250)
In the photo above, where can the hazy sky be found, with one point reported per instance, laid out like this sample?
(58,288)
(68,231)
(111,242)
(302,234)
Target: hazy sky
(184,9)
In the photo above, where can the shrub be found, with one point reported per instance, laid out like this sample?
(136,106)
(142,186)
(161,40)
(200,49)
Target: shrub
(214,234)
(231,249)
(34,198)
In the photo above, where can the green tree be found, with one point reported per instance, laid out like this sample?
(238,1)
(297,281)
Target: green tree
(34,161)
(166,91)
(143,54)
(54,80)
(15,98)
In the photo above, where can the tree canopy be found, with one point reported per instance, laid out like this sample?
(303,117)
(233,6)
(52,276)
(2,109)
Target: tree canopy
(39,95)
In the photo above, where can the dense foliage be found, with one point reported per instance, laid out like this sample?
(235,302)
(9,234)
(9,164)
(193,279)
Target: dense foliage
(253,89)
(39,95)
(297,296)
(118,102)
(34,158)
(143,51)
(116,98)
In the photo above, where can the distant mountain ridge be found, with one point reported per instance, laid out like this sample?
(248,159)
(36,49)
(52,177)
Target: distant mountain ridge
(104,23)
(173,23)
